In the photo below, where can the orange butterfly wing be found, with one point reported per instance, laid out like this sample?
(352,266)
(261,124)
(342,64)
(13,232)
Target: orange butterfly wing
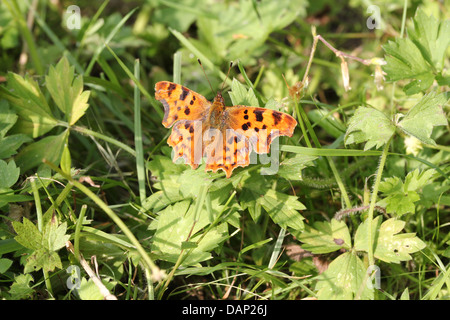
(260,125)
(180,103)
(188,110)
(227,144)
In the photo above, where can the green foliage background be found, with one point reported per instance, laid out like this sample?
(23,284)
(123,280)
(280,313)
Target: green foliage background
(85,169)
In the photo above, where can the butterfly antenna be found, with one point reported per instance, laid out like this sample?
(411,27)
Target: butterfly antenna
(200,63)
(228,73)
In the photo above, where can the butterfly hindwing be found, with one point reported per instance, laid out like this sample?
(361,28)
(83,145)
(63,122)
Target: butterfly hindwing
(260,125)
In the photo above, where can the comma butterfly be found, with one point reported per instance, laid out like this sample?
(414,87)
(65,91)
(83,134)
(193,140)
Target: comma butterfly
(223,135)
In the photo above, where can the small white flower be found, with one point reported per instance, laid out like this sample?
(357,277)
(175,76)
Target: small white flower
(413,145)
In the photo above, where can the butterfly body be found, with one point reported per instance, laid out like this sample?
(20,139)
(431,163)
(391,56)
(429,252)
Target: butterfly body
(223,135)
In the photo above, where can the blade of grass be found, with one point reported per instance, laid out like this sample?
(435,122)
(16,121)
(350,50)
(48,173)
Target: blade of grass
(329,152)
(199,54)
(140,167)
(14,9)
(107,41)
(277,248)
(105,138)
(177,67)
(79,224)
(58,43)
(144,91)
(81,35)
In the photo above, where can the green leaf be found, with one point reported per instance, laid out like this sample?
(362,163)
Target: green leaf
(283,209)
(24,94)
(416,180)
(401,197)
(28,234)
(390,246)
(9,174)
(405,294)
(371,126)
(291,168)
(7,118)
(49,148)
(404,60)
(431,37)
(10,144)
(43,259)
(21,289)
(325,237)
(424,116)
(5,264)
(67,90)
(419,57)
(89,291)
(44,244)
(241,96)
(344,279)
(174,225)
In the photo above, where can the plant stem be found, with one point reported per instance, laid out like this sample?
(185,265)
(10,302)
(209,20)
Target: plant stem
(40,223)
(373,200)
(140,166)
(105,138)
(76,245)
(301,114)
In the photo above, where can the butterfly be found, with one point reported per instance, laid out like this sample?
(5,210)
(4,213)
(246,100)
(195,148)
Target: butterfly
(223,135)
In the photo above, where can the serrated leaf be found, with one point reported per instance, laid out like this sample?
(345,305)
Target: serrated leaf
(419,57)
(431,37)
(10,144)
(24,94)
(28,234)
(241,96)
(424,116)
(43,259)
(44,244)
(174,225)
(9,174)
(55,236)
(21,289)
(417,179)
(344,280)
(325,237)
(371,126)
(401,197)
(291,168)
(49,148)
(404,60)
(390,245)
(67,90)
(7,118)
(283,209)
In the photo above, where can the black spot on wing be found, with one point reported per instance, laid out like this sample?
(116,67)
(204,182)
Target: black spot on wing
(171,87)
(259,115)
(187,111)
(184,93)
(276,117)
